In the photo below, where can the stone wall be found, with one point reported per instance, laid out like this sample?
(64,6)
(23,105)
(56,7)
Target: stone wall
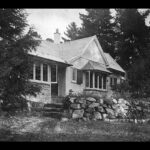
(96,108)
(44,96)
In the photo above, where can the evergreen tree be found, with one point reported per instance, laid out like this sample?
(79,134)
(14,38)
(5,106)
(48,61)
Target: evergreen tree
(97,22)
(14,59)
(133,47)
(72,32)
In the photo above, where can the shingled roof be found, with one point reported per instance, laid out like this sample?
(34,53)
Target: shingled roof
(72,50)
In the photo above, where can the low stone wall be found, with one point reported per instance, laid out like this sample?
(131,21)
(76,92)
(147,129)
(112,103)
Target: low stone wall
(87,108)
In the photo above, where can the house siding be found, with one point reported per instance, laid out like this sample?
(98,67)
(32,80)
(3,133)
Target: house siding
(71,85)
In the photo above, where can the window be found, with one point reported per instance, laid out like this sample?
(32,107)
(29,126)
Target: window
(87,79)
(113,81)
(100,82)
(104,82)
(37,71)
(96,80)
(53,73)
(45,72)
(79,77)
(74,74)
(91,79)
(31,72)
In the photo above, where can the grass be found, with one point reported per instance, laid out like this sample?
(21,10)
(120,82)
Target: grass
(40,128)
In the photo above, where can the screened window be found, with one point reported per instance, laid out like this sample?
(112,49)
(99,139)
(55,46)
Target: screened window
(53,73)
(87,79)
(31,72)
(37,71)
(74,74)
(91,79)
(96,80)
(100,81)
(104,82)
(45,72)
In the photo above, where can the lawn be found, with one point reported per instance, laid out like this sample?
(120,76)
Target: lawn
(40,128)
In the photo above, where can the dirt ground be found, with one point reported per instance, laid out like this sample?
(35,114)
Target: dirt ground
(40,128)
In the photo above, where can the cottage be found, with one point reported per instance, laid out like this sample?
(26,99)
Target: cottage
(79,65)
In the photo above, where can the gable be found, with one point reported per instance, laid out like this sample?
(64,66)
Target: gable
(92,52)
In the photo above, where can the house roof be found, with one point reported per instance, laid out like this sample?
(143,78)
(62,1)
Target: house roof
(71,53)
(91,65)
(112,63)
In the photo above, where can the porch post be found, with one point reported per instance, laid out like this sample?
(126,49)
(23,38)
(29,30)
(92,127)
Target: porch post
(89,79)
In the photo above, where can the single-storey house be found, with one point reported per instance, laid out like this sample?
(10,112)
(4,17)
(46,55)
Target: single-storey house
(78,65)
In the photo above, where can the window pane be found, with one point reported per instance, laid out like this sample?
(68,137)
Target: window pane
(38,71)
(91,79)
(45,72)
(74,74)
(100,81)
(31,72)
(104,82)
(53,73)
(115,81)
(96,79)
(79,77)
(111,82)
(87,79)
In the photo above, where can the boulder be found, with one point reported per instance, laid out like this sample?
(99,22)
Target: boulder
(101,109)
(75,106)
(77,114)
(87,115)
(83,105)
(91,99)
(93,105)
(108,102)
(97,115)
(64,119)
(114,101)
(82,101)
(90,110)
(104,116)
(72,99)
(110,113)
(101,101)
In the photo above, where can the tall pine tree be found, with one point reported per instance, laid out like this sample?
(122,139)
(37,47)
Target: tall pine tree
(96,22)
(14,59)
(133,47)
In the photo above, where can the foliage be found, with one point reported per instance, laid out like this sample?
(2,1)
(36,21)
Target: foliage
(15,63)
(96,22)
(133,48)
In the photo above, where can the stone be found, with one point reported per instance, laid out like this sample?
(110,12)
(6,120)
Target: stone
(110,113)
(86,115)
(114,101)
(88,102)
(77,114)
(101,109)
(75,106)
(104,116)
(97,115)
(83,105)
(82,101)
(108,102)
(91,99)
(89,110)
(72,99)
(93,105)
(101,101)
(64,119)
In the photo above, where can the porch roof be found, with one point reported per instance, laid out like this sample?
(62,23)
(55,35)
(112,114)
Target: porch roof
(91,65)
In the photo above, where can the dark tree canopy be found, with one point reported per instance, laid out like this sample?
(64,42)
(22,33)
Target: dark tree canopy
(133,47)
(14,59)
(95,22)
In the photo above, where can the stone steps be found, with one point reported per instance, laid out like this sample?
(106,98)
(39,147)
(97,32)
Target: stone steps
(53,110)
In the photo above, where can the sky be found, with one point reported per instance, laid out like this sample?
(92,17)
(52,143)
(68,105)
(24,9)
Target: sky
(45,21)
